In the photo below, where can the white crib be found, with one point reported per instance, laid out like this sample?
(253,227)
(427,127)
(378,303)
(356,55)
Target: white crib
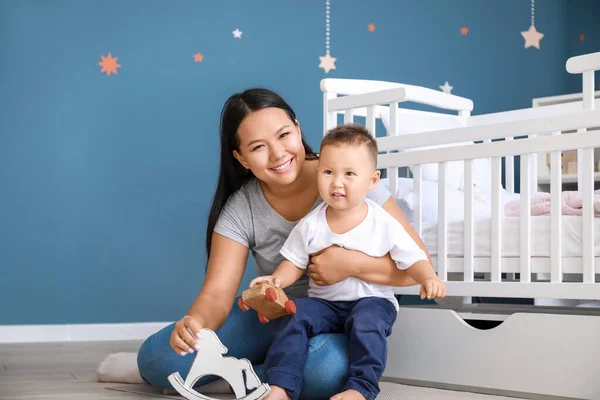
(534,351)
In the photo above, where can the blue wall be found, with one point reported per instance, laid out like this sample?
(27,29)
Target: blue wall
(106,182)
(582,19)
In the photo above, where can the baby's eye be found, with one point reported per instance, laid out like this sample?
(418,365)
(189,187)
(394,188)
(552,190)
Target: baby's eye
(350,173)
(327,172)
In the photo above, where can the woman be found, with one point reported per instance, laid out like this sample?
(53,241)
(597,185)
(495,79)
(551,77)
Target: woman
(267,182)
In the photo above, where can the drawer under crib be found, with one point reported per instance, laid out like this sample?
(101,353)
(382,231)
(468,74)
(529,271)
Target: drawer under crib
(520,351)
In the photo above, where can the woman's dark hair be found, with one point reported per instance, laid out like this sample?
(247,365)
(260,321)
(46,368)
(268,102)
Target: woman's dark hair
(232,175)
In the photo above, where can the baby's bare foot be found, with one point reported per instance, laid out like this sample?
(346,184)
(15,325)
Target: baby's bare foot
(278,393)
(348,395)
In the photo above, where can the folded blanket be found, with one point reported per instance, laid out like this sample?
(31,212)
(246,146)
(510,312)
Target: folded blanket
(119,367)
(572,204)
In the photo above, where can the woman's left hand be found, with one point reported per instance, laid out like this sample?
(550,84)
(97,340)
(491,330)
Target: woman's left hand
(331,265)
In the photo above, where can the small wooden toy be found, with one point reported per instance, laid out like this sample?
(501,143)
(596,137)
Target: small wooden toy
(268,300)
(210,361)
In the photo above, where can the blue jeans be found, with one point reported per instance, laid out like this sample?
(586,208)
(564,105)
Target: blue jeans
(367,322)
(245,337)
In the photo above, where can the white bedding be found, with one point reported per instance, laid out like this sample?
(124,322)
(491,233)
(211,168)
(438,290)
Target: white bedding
(455,201)
(511,240)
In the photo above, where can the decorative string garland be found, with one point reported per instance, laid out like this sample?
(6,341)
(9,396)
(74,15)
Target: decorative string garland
(327,62)
(532,36)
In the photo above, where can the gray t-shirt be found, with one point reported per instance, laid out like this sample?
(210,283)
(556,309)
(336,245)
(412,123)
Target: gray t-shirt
(249,219)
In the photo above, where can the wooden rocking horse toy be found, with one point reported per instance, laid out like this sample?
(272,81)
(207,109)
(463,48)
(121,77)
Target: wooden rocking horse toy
(210,361)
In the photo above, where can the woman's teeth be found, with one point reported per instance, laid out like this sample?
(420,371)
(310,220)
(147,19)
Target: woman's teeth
(284,166)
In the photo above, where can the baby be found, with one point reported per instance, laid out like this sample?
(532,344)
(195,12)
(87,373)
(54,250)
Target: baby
(365,312)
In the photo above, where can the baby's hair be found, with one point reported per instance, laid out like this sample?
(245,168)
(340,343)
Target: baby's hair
(351,134)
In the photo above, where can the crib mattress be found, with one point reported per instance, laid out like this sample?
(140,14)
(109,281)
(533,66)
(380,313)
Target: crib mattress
(511,241)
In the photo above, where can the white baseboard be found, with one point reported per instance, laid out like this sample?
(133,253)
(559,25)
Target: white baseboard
(78,332)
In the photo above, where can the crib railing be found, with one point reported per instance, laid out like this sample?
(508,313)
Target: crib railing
(521,133)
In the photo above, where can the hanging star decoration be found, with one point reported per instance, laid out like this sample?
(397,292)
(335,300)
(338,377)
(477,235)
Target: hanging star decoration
(237,33)
(198,57)
(581,37)
(532,37)
(446,88)
(464,31)
(371,27)
(327,62)
(109,64)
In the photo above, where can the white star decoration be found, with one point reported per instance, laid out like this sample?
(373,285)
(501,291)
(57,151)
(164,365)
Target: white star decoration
(532,37)
(327,62)
(237,33)
(446,88)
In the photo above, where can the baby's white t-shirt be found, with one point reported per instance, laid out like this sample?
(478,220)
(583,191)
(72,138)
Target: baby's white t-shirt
(378,234)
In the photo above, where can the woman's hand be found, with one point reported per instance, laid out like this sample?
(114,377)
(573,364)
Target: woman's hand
(186,333)
(332,265)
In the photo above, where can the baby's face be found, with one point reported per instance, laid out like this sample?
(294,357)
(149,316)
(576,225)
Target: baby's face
(346,173)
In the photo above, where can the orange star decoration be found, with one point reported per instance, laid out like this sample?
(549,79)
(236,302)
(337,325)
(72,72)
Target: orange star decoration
(109,64)
(464,31)
(198,57)
(581,37)
(371,28)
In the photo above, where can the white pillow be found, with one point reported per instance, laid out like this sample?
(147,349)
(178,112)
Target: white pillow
(455,204)
(409,123)
(429,201)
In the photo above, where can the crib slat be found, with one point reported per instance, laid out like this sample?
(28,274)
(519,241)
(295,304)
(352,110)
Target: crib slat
(496,221)
(371,120)
(349,116)
(329,118)
(525,216)
(442,222)
(533,175)
(555,215)
(418,211)
(587,175)
(392,172)
(510,171)
(469,272)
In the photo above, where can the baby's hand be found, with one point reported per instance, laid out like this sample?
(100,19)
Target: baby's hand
(432,288)
(266,278)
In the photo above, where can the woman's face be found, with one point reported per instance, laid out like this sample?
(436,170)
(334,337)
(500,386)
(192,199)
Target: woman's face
(271,146)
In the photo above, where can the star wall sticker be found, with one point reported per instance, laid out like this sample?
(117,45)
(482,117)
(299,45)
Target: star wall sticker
(109,64)
(198,57)
(446,88)
(327,63)
(532,37)
(464,31)
(237,33)
(371,27)
(581,37)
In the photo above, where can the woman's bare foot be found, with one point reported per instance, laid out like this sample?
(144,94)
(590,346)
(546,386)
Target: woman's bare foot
(278,393)
(348,395)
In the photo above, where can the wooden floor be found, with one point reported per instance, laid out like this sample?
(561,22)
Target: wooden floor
(58,370)
(67,371)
